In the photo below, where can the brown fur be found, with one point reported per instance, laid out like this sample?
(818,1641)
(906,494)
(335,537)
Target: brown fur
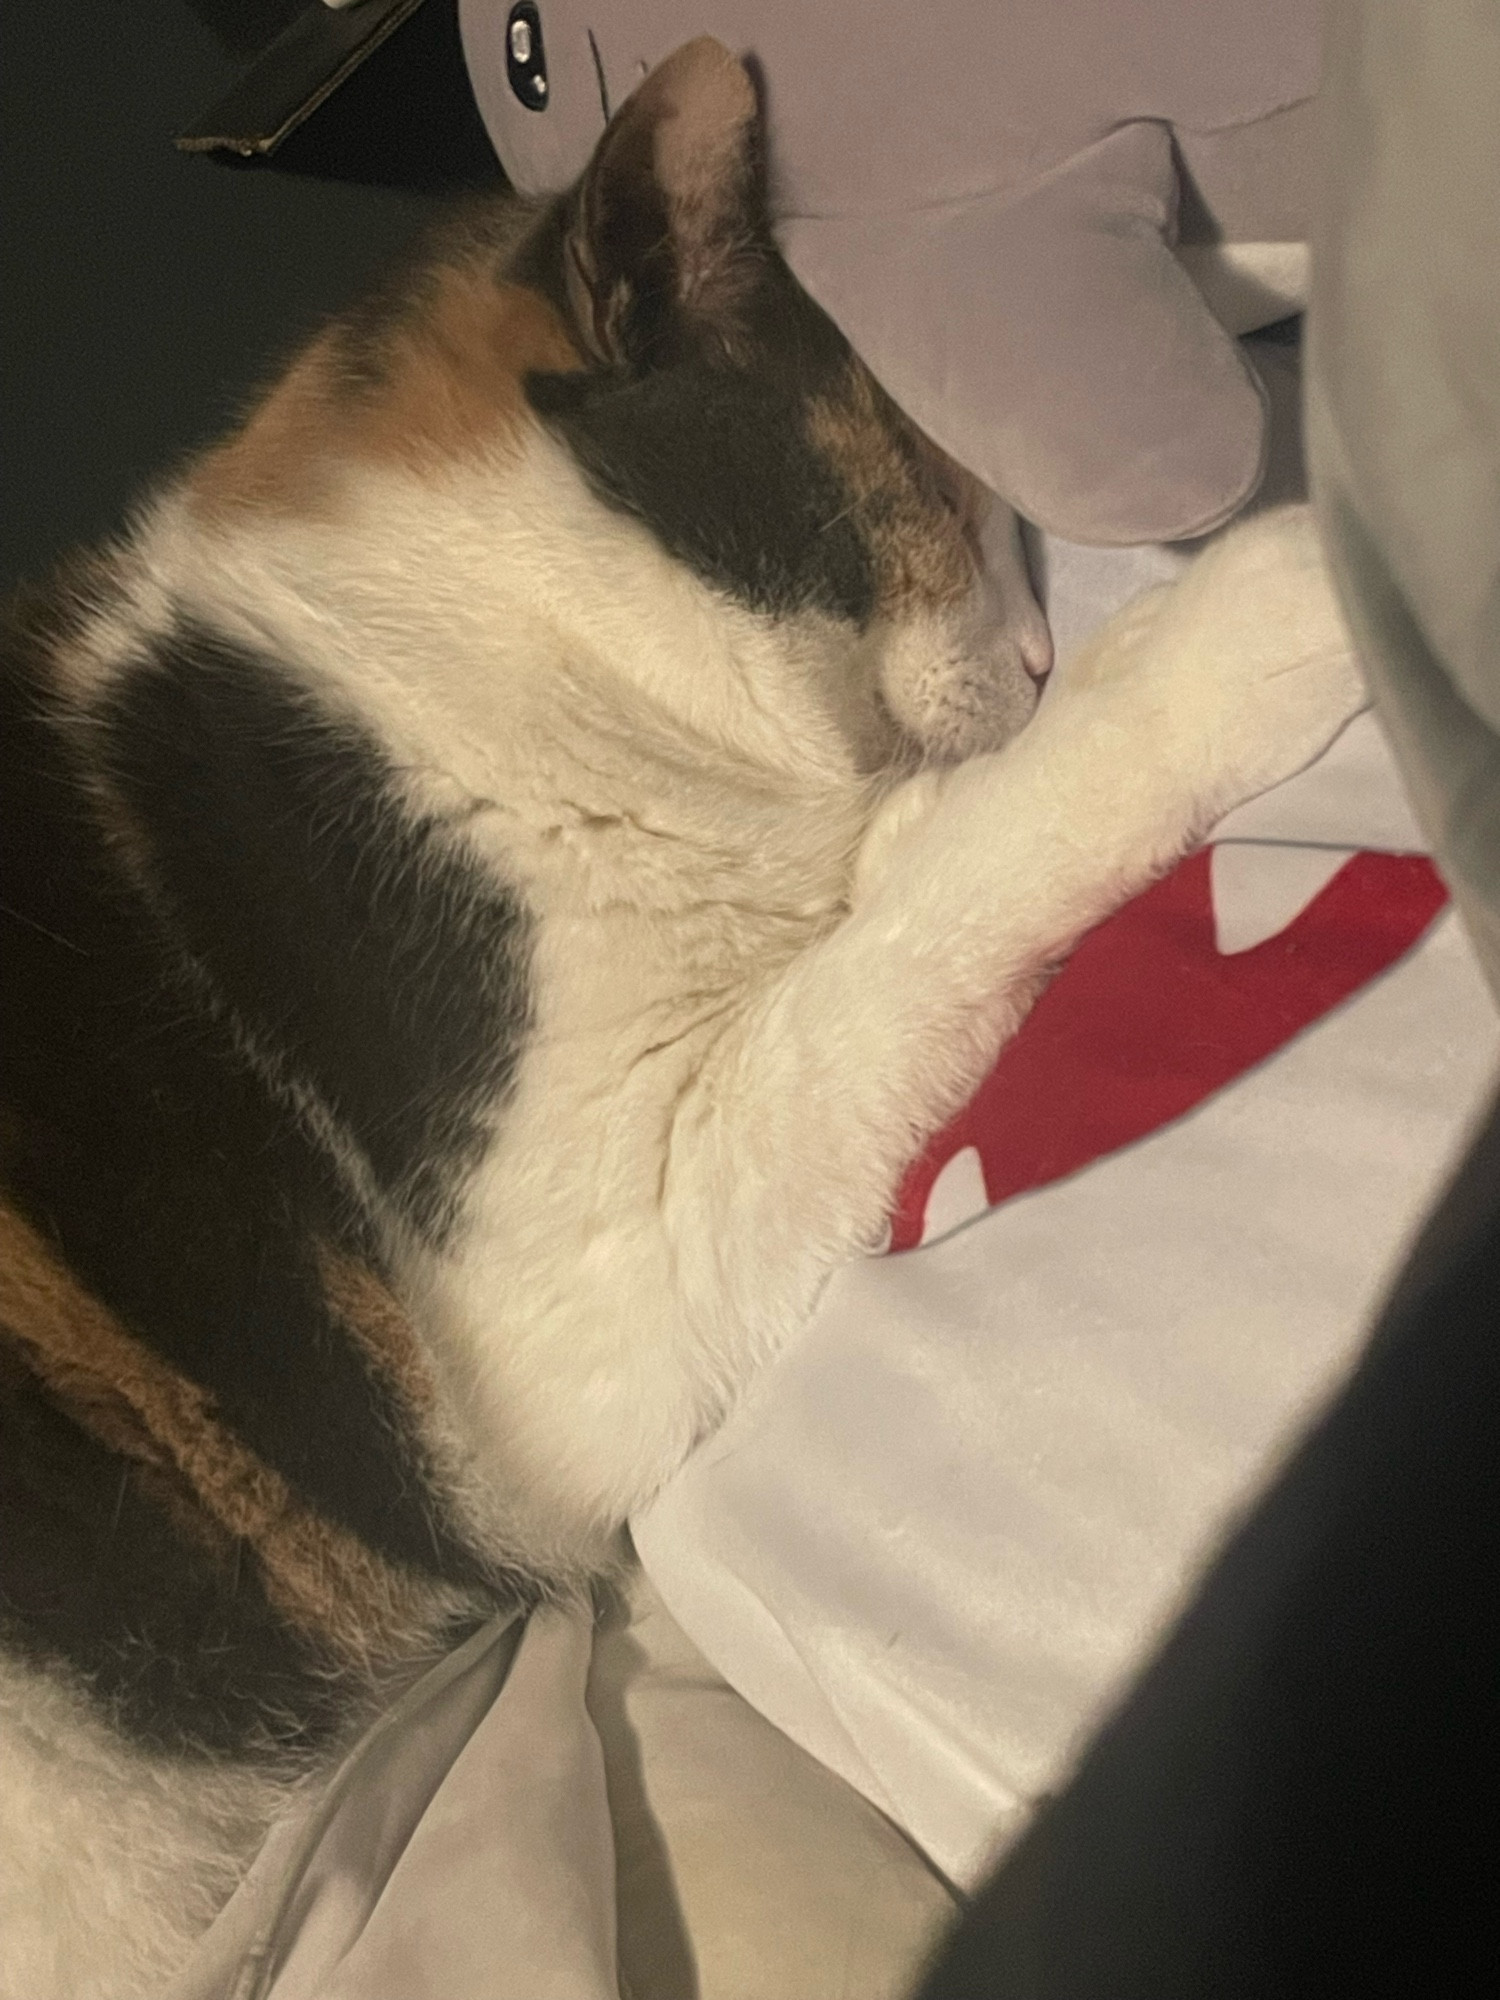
(317,1575)
(891,490)
(445,382)
(370,1311)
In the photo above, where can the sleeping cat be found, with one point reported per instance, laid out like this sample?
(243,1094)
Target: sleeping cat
(503,866)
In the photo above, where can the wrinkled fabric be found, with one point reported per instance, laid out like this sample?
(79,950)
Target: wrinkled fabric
(1404,408)
(462,1852)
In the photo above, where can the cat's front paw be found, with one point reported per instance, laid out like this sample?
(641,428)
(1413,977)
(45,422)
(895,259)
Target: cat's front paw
(1240,673)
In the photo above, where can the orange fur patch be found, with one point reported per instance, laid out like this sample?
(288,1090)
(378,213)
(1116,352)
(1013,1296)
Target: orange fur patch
(367,1308)
(317,1575)
(444,381)
(921,553)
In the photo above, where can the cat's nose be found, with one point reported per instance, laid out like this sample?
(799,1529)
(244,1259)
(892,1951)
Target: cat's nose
(1020,639)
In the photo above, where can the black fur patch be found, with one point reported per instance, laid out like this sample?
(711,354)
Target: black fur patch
(350,938)
(173,1183)
(718,463)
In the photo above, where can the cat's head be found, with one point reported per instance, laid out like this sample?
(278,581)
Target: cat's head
(722,408)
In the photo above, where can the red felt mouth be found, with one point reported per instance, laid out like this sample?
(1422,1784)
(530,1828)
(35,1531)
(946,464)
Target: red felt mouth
(1148,1018)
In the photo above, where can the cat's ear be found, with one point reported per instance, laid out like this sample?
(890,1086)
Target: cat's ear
(669,229)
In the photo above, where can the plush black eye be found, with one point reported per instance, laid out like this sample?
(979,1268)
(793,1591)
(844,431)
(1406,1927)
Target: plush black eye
(525,58)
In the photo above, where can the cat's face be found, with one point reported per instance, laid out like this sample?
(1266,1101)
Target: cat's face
(721,407)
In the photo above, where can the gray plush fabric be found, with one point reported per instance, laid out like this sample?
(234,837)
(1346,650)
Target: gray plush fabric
(987,199)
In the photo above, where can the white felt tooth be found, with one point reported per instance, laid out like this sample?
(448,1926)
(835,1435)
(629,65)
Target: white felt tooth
(1259,888)
(958,1195)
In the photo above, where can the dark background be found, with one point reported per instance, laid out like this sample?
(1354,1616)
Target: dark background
(147,291)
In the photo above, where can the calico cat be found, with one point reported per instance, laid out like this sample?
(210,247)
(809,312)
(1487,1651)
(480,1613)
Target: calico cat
(503,865)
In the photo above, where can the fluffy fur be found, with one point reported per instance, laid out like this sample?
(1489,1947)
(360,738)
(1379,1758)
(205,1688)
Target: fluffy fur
(509,859)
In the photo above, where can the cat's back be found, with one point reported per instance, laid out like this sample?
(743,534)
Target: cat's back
(221,1532)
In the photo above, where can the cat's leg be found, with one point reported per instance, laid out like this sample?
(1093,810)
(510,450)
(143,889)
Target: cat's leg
(788,1150)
